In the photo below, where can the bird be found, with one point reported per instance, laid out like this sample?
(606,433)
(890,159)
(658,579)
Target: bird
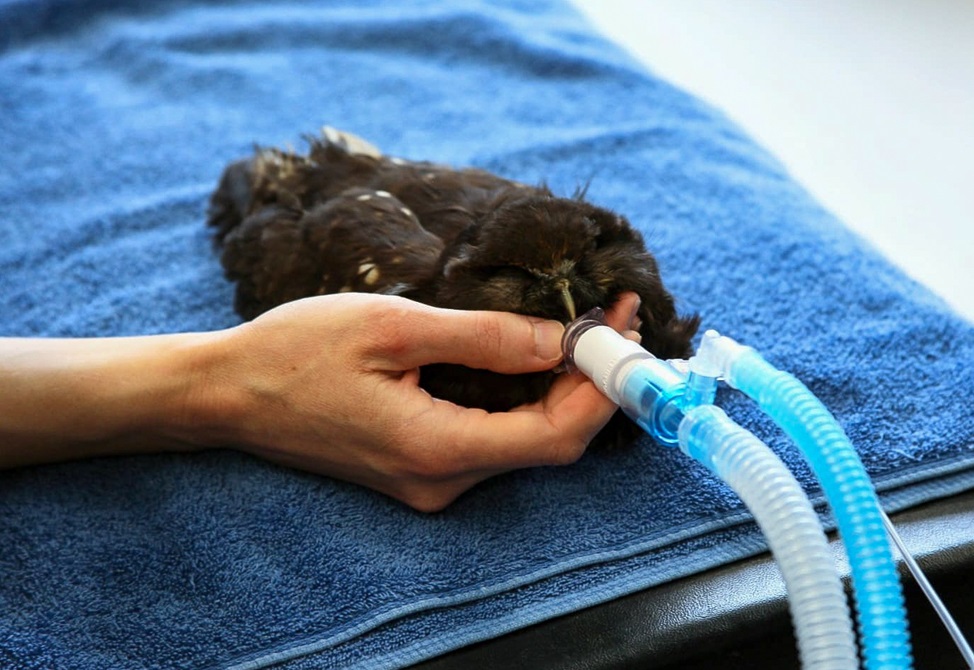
(345,217)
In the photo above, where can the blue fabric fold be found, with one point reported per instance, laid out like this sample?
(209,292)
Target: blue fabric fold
(116,120)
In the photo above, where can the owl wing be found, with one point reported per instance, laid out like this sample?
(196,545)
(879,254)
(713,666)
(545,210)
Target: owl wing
(367,240)
(264,254)
(362,240)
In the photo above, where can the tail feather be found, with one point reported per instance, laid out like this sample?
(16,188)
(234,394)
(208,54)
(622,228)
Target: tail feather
(231,201)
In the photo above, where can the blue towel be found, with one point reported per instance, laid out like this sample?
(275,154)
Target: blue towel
(116,119)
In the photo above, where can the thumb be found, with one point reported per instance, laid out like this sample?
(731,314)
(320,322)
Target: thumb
(498,341)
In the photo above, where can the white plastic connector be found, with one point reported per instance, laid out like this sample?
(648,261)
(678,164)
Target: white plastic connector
(716,355)
(601,354)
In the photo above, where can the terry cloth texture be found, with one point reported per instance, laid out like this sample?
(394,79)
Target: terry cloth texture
(117,119)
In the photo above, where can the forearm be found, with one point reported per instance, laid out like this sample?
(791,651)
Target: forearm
(69,399)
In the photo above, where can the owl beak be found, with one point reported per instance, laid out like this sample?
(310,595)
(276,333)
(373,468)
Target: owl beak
(566,297)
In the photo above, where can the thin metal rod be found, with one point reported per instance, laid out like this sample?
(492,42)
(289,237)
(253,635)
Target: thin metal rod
(938,605)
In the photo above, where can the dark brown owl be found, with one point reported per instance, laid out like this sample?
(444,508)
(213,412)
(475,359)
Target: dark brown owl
(347,218)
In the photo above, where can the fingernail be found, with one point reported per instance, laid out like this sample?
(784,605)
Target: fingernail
(632,314)
(547,339)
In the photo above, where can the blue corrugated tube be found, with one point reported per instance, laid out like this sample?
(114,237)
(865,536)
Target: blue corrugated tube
(674,410)
(878,595)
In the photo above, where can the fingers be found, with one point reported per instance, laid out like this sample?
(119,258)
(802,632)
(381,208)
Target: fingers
(622,315)
(497,341)
(553,431)
(473,443)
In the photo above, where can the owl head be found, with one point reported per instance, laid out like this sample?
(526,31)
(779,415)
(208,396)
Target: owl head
(557,258)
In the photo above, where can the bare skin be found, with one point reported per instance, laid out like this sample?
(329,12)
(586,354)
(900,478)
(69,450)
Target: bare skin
(326,384)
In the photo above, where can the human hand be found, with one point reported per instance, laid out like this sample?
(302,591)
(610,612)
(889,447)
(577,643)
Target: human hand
(330,385)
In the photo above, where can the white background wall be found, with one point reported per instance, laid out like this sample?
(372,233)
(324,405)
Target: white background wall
(870,104)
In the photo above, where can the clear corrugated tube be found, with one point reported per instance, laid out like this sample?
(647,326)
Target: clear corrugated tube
(820,616)
(878,596)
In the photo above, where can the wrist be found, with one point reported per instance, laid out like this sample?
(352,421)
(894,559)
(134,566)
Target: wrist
(152,393)
(202,409)
(142,394)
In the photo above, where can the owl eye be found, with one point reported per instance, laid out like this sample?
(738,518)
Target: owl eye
(514,272)
(501,269)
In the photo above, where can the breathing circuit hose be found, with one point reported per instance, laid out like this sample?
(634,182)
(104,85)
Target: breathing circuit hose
(653,393)
(820,616)
(858,516)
